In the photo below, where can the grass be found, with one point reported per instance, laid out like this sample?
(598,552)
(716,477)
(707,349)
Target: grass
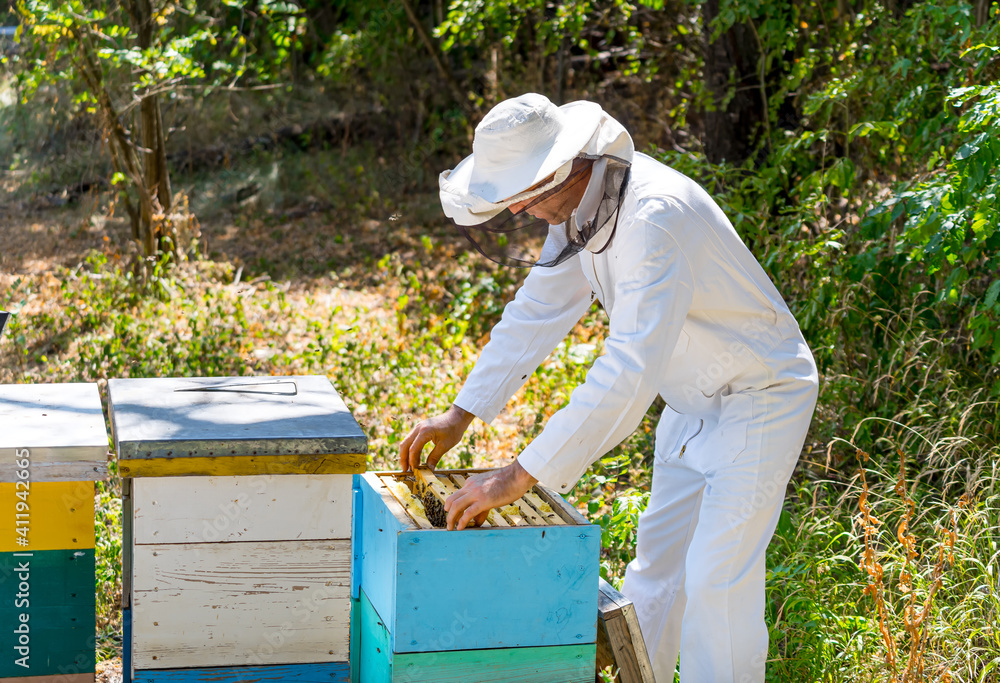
(371,289)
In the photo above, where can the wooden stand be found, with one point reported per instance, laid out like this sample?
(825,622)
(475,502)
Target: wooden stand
(619,640)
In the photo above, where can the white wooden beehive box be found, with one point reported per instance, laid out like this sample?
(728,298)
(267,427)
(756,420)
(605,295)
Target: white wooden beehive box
(237,508)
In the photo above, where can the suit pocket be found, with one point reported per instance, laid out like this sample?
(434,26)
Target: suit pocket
(672,431)
(734,424)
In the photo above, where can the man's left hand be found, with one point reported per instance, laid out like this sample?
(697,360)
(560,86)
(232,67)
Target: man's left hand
(485,491)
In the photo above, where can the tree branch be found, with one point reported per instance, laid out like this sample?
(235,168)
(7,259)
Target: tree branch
(456,90)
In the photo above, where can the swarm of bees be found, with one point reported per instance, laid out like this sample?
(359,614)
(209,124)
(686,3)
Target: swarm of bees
(434,508)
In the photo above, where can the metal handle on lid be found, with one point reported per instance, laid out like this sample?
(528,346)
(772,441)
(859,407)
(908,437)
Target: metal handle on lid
(237,387)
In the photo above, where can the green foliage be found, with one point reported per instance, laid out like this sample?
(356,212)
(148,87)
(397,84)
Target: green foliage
(478,23)
(872,204)
(930,241)
(366,42)
(619,530)
(108,562)
(528,30)
(814,599)
(57,33)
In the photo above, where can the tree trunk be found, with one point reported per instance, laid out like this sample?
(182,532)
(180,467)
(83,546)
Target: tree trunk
(981,12)
(123,156)
(733,127)
(155,175)
(456,91)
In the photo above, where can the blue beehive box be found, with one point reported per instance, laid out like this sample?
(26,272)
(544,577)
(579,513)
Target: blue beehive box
(516,603)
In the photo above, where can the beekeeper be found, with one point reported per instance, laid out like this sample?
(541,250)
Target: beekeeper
(693,318)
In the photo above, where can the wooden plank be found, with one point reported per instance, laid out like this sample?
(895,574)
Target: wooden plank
(256,508)
(544,509)
(127,543)
(515,518)
(56,678)
(448,485)
(355,657)
(126,645)
(529,513)
(557,664)
(641,667)
(559,505)
(607,610)
(60,610)
(414,508)
(357,548)
(554,664)
(395,508)
(383,520)
(228,604)
(62,639)
(337,672)
(539,589)
(494,518)
(375,664)
(425,477)
(244,465)
(624,645)
(60,470)
(57,515)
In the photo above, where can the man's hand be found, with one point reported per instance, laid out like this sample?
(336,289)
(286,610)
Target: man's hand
(445,431)
(483,492)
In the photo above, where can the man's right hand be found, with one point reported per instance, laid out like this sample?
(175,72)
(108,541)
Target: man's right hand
(444,431)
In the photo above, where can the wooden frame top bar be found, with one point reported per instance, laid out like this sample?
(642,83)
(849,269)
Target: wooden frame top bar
(566,513)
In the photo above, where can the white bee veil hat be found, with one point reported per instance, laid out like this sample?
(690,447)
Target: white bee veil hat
(521,142)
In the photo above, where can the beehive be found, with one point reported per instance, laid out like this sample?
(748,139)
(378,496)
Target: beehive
(237,527)
(53,445)
(514,600)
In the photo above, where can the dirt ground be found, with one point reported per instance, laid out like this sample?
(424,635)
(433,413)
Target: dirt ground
(110,671)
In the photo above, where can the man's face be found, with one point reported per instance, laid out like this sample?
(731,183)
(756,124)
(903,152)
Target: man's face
(559,206)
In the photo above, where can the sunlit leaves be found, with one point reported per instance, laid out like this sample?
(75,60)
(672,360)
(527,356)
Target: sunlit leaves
(479,24)
(199,46)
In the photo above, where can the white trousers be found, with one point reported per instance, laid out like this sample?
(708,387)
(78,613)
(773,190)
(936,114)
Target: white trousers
(719,478)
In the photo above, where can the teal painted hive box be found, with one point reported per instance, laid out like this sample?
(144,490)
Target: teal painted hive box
(53,445)
(237,522)
(513,601)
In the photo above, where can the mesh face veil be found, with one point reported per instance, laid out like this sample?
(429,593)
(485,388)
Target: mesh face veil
(523,240)
(525,155)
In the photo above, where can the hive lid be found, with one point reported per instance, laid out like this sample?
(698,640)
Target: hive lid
(233,426)
(60,425)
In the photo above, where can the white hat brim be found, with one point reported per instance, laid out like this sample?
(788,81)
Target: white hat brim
(466,207)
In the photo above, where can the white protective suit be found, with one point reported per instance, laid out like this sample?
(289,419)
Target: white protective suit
(693,318)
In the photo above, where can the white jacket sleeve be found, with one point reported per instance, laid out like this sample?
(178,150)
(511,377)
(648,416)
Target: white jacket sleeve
(543,311)
(652,297)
